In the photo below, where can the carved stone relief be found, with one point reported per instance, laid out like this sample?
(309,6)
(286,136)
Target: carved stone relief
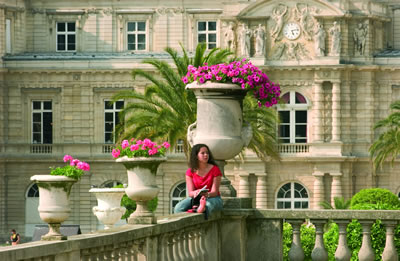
(335,33)
(173,11)
(229,35)
(360,37)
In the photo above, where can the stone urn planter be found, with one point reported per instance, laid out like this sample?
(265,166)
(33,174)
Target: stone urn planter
(142,186)
(109,210)
(220,123)
(53,202)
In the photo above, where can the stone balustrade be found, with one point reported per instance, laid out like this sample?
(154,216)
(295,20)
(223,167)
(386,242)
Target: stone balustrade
(234,234)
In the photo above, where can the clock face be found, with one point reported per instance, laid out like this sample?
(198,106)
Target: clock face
(291,31)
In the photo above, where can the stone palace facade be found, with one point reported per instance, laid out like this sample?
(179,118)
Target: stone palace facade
(337,61)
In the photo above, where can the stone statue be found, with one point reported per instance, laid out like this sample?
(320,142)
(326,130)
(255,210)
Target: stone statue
(260,40)
(360,38)
(245,40)
(278,16)
(334,31)
(304,14)
(229,37)
(320,40)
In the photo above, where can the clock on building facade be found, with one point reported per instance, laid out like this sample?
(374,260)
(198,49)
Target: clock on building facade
(291,31)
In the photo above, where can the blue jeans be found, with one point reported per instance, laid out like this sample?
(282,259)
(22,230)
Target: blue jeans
(212,204)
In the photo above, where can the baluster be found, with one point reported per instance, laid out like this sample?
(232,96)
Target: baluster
(175,240)
(202,244)
(343,252)
(186,246)
(390,252)
(133,251)
(170,242)
(122,254)
(85,253)
(192,245)
(181,237)
(296,252)
(108,252)
(163,243)
(366,252)
(319,252)
(140,250)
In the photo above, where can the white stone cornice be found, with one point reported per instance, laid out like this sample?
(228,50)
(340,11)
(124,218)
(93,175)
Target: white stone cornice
(168,10)
(203,11)
(65,11)
(135,11)
(12,8)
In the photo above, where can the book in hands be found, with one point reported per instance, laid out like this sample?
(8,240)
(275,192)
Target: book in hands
(198,196)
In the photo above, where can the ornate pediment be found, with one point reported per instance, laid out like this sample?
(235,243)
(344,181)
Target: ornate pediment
(295,29)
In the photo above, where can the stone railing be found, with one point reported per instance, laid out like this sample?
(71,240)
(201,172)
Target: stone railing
(294,148)
(174,238)
(235,234)
(264,229)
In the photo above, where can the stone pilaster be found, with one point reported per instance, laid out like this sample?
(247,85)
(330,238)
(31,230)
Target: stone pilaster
(318,107)
(336,189)
(261,190)
(244,186)
(336,126)
(319,190)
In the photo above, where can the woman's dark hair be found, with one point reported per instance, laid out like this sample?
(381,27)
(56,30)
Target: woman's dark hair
(194,161)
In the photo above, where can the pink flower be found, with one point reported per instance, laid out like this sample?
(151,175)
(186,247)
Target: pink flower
(83,166)
(134,147)
(166,145)
(125,143)
(68,158)
(153,151)
(74,162)
(115,153)
(185,80)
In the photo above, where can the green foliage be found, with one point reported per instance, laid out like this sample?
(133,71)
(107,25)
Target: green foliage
(307,238)
(339,203)
(130,204)
(331,239)
(68,171)
(375,198)
(388,143)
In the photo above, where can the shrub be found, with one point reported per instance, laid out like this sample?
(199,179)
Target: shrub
(130,204)
(375,198)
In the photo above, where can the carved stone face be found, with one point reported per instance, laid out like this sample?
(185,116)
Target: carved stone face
(291,31)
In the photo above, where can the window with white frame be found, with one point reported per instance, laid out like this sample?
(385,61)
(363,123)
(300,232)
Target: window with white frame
(66,36)
(8,35)
(42,122)
(292,196)
(178,193)
(207,33)
(293,118)
(111,119)
(136,36)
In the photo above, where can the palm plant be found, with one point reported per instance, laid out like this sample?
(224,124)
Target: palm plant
(165,109)
(338,203)
(388,143)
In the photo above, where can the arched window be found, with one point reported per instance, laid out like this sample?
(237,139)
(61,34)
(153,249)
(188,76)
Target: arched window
(32,217)
(111,184)
(292,196)
(33,191)
(293,118)
(178,193)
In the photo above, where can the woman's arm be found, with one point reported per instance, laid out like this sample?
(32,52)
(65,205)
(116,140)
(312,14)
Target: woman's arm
(192,192)
(215,187)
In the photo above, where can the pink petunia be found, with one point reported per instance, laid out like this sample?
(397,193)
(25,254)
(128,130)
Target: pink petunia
(74,162)
(125,144)
(68,158)
(166,145)
(153,151)
(115,153)
(134,147)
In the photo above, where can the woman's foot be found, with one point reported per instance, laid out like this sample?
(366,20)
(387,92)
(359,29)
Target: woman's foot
(202,206)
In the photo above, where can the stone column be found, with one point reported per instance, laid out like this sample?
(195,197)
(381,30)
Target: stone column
(261,190)
(319,190)
(244,186)
(336,126)
(318,106)
(336,187)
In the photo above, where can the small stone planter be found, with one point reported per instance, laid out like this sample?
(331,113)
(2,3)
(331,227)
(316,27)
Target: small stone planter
(109,210)
(142,186)
(53,202)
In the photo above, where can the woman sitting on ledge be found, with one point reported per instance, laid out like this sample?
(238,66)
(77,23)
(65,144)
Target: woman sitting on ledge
(202,172)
